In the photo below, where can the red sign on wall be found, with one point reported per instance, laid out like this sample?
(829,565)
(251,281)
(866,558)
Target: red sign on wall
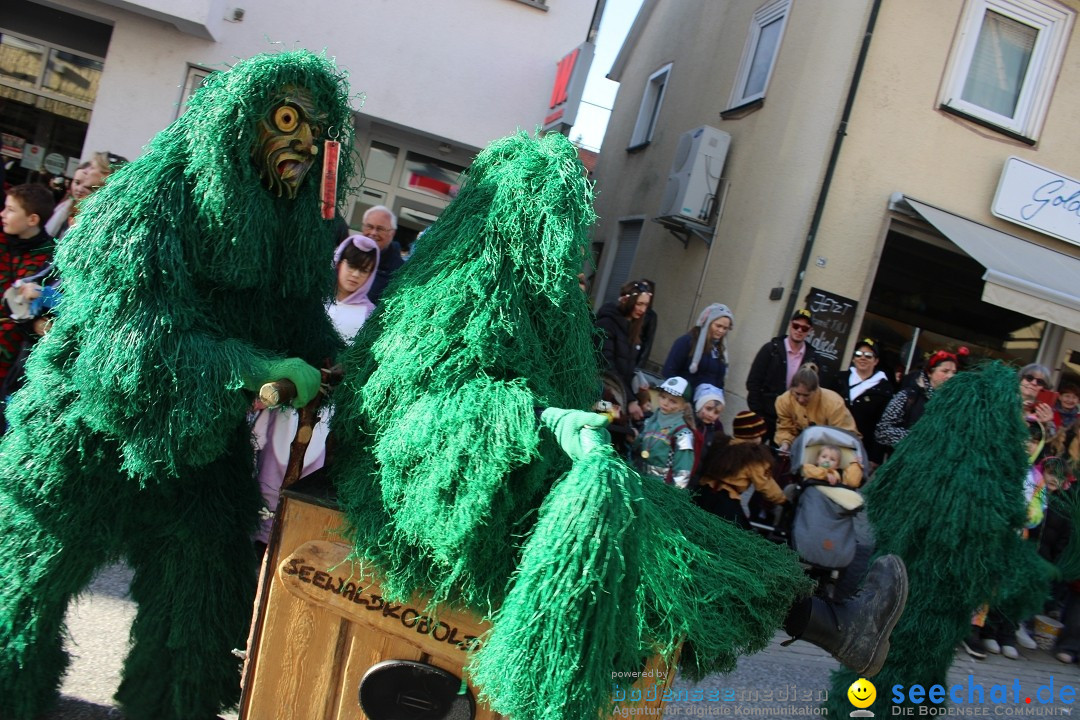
(570,75)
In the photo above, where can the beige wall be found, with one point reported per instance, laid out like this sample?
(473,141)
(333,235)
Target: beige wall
(897,140)
(775,165)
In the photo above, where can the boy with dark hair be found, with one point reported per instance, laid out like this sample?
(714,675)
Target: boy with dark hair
(25,251)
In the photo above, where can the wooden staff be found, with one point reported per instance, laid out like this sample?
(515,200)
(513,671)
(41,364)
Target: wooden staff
(281,392)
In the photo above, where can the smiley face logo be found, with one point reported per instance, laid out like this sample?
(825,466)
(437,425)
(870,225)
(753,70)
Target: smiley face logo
(862,693)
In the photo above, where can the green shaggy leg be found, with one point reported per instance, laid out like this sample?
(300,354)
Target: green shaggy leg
(39,574)
(194,582)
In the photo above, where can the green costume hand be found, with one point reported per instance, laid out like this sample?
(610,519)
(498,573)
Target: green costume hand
(1056,574)
(303,376)
(578,432)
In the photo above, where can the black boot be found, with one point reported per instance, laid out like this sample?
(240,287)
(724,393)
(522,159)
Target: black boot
(856,631)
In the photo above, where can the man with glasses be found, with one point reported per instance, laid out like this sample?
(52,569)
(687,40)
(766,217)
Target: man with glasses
(380,224)
(775,364)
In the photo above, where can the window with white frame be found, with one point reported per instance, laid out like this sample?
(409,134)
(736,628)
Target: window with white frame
(759,55)
(196,76)
(1005,61)
(650,107)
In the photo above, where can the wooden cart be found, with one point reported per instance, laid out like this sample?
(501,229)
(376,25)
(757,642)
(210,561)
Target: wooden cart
(321,625)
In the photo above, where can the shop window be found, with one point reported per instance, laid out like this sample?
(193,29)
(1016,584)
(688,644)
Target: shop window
(650,107)
(429,176)
(21,61)
(380,162)
(927,296)
(53,72)
(73,76)
(759,55)
(1005,61)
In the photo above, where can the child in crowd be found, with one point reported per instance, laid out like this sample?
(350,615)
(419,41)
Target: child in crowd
(665,448)
(1052,536)
(732,464)
(708,404)
(1067,406)
(27,250)
(992,631)
(356,259)
(827,468)
(89,176)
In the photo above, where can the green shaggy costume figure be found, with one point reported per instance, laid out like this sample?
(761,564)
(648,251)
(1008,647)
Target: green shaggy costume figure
(950,502)
(452,487)
(197,271)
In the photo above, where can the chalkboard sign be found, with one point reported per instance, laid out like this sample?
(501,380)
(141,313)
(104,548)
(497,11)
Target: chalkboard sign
(833,317)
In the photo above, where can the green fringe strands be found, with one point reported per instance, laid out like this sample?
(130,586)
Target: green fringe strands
(567,622)
(722,589)
(450,488)
(950,502)
(129,438)
(484,323)
(183,271)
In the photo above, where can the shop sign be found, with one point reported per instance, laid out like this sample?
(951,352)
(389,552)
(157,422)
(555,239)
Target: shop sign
(54,163)
(834,316)
(570,75)
(1040,199)
(32,157)
(11,145)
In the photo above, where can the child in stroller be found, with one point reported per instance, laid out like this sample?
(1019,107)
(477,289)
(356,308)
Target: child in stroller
(819,520)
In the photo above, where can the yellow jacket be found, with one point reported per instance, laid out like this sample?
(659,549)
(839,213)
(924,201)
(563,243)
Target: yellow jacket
(825,408)
(851,477)
(758,474)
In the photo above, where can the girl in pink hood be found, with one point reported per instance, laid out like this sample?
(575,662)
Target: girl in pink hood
(356,259)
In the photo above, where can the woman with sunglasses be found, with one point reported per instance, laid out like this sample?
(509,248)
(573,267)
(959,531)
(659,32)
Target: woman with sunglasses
(621,323)
(1034,378)
(907,406)
(866,392)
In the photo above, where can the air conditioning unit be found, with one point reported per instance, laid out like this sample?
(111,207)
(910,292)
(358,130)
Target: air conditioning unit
(694,183)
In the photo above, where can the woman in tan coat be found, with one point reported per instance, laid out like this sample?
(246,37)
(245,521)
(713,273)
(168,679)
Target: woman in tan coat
(806,404)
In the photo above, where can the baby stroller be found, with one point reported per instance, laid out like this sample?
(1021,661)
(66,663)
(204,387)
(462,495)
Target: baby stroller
(819,520)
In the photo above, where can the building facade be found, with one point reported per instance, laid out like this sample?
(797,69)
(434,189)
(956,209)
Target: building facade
(907,170)
(435,81)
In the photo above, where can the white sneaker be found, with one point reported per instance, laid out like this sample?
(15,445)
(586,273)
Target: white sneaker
(992,646)
(1010,652)
(1025,640)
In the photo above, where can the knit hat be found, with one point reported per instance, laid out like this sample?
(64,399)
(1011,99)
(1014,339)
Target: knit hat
(706,392)
(705,319)
(676,386)
(748,425)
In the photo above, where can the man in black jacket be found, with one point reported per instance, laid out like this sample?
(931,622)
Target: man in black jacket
(775,364)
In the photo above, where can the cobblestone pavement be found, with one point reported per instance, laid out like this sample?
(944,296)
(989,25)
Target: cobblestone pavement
(791,682)
(778,682)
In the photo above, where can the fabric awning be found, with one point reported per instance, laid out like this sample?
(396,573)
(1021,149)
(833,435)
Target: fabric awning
(1020,275)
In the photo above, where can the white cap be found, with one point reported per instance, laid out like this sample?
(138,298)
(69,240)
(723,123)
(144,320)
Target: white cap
(676,386)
